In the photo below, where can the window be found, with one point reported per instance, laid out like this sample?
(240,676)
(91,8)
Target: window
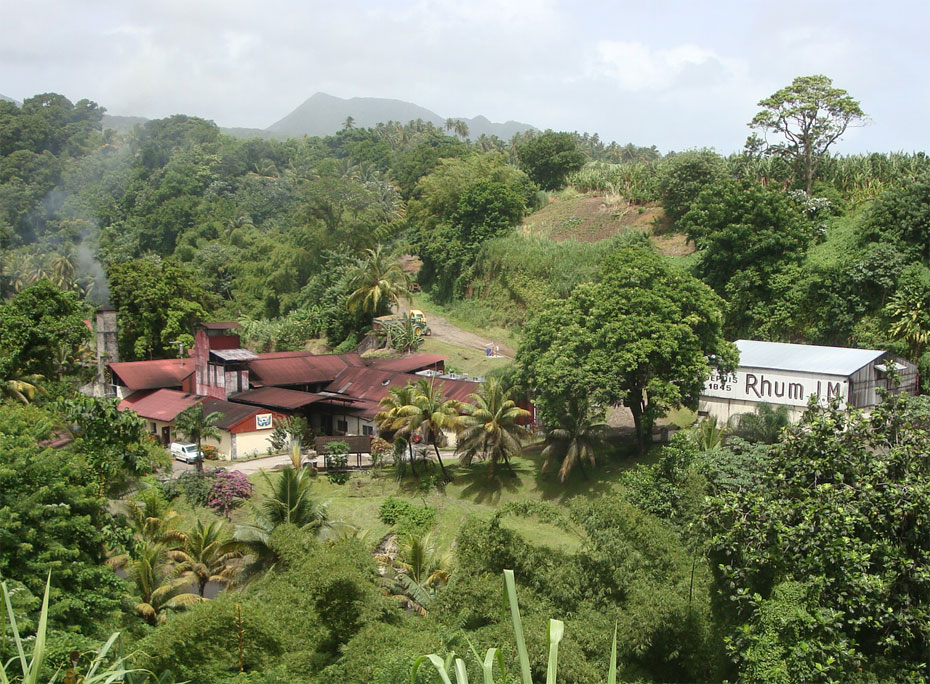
(368,430)
(154,428)
(342,426)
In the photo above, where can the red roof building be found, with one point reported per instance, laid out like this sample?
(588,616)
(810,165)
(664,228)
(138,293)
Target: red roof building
(160,373)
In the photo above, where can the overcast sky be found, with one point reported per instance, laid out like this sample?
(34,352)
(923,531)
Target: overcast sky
(673,73)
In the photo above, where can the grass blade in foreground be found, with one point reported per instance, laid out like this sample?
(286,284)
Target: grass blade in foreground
(510,589)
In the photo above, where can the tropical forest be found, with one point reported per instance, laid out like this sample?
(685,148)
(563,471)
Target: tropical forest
(573,519)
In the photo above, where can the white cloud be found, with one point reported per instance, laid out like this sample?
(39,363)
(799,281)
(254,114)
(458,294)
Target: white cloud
(635,67)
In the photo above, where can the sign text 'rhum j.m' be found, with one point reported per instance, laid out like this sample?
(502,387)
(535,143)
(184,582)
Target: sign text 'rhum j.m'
(773,387)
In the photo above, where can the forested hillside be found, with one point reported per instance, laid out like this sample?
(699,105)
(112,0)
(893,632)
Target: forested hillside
(753,552)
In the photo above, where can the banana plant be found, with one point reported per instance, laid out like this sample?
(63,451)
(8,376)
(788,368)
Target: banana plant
(454,666)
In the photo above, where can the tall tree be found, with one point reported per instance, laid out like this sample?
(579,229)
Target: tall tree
(645,336)
(549,158)
(491,430)
(376,280)
(840,520)
(430,415)
(194,425)
(810,115)
(392,422)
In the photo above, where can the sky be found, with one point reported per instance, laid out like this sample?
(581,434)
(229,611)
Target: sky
(677,74)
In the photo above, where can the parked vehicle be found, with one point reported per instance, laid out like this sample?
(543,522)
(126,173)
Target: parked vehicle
(416,317)
(185,451)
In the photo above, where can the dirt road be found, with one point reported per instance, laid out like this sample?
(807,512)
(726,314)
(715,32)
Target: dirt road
(444,331)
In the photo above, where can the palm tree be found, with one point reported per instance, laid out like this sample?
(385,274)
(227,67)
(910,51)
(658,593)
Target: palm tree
(160,584)
(430,415)
(288,502)
(374,279)
(193,425)
(417,572)
(574,439)
(153,521)
(348,124)
(22,388)
(390,420)
(707,434)
(203,555)
(491,428)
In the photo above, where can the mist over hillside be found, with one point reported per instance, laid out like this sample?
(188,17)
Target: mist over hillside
(9,99)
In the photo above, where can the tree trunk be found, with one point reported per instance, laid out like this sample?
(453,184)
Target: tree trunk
(636,408)
(199,459)
(441,466)
(413,465)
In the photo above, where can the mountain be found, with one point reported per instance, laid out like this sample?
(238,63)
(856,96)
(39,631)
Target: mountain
(9,99)
(325,114)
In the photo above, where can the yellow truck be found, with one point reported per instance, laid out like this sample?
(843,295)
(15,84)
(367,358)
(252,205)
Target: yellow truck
(416,317)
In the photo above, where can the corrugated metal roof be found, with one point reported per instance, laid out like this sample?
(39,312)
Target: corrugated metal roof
(806,358)
(300,370)
(411,363)
(238,354)
(373,385)
(161,404)
(141,375)
(277,397)
(232,412)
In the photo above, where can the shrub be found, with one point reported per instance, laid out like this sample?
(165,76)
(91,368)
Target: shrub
(195,487)
(379,449)
(336,460)
(405,517)
(210,452)
(228,492)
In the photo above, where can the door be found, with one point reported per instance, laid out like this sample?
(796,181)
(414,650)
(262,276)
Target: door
(166,436)
(327,424)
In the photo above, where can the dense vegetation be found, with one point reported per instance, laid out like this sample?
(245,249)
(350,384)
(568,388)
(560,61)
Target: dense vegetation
(758,552)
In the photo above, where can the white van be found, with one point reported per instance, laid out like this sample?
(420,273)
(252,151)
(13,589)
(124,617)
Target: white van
(184,451)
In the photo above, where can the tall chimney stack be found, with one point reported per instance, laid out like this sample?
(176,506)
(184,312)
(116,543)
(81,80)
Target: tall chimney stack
(107,348)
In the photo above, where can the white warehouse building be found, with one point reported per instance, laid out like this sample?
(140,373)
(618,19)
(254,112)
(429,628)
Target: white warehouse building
(789,374)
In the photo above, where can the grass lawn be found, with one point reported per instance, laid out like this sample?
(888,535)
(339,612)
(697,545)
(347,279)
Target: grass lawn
(462,359)
(472,492)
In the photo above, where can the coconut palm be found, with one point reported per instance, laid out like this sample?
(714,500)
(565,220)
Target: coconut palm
(417,572)
(491,429)
(430,415)
(193,425)
(22,388)
(153,521)
(376,278)
(160,584)
(574,438)
(390,420)
(288,502)
(203,556)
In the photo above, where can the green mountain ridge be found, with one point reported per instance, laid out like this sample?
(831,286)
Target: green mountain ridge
(324,114)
